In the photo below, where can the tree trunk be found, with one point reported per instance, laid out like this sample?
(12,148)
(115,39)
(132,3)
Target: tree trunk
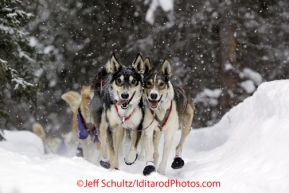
(228,58)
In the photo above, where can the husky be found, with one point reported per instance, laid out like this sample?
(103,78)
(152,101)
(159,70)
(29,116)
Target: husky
(116,107)
(167,108)
(51,144)
(82,123)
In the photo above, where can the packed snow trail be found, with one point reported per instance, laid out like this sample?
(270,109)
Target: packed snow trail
(247,151)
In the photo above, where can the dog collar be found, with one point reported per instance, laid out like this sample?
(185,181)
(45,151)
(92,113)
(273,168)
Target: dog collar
(164,98)
(123,118)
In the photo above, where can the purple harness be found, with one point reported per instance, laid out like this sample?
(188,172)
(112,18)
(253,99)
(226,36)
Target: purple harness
(83,130)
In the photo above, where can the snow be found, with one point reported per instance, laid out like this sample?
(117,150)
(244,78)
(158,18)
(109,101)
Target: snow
(248,86)
(33,41)
(48,49)
(166,5)
(23,142)
(208,97)
(247,151)
(20,82)
(228,67)
(252,75)
(3,61)
(212,93)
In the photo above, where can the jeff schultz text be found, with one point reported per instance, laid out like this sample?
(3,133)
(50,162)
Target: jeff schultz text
(146,183)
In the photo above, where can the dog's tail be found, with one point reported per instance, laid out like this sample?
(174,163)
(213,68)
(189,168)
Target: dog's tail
(38,130)
(73,99)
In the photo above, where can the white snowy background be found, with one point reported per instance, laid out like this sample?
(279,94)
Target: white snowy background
(247,151)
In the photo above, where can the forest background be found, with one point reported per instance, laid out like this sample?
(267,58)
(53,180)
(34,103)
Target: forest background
(220,50)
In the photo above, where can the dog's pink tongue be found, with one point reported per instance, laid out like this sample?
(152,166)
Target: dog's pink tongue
(154,103)
(121,102)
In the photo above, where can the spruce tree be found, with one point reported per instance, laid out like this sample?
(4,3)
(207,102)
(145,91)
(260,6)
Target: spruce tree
(17,61)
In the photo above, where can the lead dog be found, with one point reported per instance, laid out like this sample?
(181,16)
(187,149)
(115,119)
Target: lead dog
(116,106)
(167,108)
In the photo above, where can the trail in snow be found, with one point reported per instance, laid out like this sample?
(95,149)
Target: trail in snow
(247,151)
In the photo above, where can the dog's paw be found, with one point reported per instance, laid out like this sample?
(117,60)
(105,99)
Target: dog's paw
(148,170)
(79,152)
(178,163)
(104,164)
(130,163)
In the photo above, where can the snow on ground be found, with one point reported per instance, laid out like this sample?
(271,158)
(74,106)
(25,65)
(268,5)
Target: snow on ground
(247,151)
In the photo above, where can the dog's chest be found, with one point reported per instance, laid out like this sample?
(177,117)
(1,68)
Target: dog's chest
(166,118)
(121,118)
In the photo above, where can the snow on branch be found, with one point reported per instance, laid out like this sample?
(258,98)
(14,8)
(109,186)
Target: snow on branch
(18,81)
(166,5)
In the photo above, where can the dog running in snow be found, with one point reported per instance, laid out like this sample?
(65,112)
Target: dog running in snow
(167,108)
(51,144)
(116,107)
(82,124)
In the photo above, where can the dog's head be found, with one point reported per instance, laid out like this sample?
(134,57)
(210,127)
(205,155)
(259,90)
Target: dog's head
(126,82)
(156,83)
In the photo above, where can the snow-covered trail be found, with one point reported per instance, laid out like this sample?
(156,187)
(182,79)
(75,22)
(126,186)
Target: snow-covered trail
(247,151)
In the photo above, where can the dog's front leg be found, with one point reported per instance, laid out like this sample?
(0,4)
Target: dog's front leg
(148,143)
(114,137)
(132,155)
(102,133)
(168,139)
(156,141)
(187,120)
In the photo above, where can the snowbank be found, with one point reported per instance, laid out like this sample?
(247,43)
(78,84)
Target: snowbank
(247,151)
(24,142)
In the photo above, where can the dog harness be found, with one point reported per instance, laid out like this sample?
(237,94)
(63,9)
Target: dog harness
(123,118)
(83,130)
(164,121)
(168,112)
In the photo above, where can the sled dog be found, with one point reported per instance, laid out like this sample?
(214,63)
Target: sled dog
(51,144)
(167,108)
(116,107)
(82,124)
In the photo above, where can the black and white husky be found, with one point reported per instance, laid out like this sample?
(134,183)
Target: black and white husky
(167,108)
(117,106)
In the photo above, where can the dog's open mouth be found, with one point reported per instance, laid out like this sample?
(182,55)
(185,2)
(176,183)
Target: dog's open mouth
(154,103)
(124,103)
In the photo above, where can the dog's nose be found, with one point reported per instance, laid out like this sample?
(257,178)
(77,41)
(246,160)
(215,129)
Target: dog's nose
(154,96)
(124,95)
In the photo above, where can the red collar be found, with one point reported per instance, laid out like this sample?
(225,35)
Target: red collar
(161,125)
(123,119)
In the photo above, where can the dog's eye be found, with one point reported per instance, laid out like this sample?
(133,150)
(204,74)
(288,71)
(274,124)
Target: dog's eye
(133,82)
(118,81)
(161,84)
(149,83)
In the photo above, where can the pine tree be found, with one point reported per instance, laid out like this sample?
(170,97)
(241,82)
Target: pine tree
(16,57)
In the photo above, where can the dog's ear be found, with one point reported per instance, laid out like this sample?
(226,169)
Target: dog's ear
(113,66)
(138,64)
(147,66)
(166,69)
